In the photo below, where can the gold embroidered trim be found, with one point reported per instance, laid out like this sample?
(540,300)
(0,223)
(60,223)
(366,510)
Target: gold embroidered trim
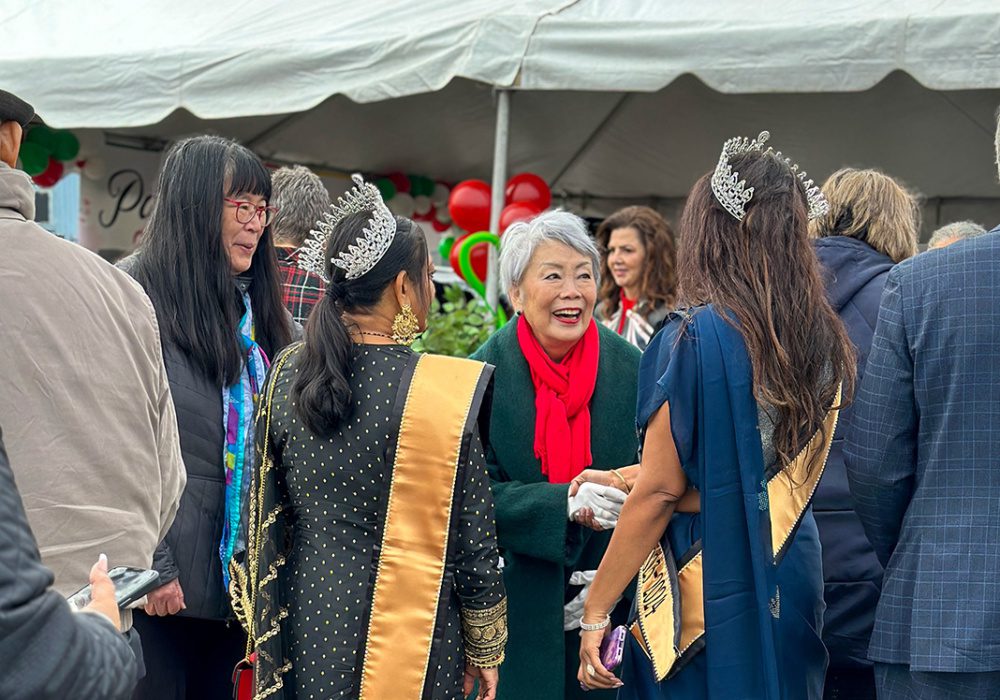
(275,627)
(272,570)
(239,594)
(485,635)
(279,683)
(245,586)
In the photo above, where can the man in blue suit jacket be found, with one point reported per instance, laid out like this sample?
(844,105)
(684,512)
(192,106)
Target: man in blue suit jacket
(923,460)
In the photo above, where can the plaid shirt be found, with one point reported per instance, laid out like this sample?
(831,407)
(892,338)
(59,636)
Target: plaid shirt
(300,290)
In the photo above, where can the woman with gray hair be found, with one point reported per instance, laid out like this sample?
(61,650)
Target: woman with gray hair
(561,448)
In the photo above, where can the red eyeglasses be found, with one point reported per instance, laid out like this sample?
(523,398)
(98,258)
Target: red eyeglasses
(245,211)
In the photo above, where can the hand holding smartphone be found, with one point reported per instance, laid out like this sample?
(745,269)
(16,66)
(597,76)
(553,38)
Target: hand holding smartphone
(131,584)
(613,648)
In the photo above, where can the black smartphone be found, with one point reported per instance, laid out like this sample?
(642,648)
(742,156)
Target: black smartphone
(131,584)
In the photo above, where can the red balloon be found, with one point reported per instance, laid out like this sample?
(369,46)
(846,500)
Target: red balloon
(477,256)
(50,176)
(528,188)
(517,211)
(400,180)
(439,226)
(469,205)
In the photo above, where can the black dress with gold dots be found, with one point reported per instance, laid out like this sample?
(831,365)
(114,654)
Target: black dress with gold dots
(335,491)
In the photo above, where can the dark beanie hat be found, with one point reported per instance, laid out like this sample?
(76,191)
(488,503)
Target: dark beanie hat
(14,109)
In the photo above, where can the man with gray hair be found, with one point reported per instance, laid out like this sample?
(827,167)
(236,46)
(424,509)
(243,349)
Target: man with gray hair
(301,198)
(921,461)
(953,233)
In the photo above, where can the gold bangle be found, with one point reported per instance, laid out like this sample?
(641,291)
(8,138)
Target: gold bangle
(628,489)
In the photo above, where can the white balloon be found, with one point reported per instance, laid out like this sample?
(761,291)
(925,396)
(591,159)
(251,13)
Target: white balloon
(421,205)
(442,215)
(402,204)
(94,168)
(440,196)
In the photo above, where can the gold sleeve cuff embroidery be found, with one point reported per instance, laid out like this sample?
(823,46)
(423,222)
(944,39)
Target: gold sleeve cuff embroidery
(485,635)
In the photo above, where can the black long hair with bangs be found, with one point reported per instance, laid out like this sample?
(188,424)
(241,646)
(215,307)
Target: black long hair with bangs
(184,267)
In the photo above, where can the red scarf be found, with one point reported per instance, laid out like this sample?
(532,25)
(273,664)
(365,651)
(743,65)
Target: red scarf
(562,402)
(627,305)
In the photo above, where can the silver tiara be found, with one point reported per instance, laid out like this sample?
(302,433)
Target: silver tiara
(733,193)
(369,247)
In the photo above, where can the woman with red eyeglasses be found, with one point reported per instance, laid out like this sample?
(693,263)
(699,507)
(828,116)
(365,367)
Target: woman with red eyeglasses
(208,263)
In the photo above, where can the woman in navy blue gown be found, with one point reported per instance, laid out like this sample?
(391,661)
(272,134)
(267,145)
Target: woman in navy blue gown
(738,400)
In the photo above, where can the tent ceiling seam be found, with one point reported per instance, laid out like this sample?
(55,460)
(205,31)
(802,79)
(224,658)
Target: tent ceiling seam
(589,141)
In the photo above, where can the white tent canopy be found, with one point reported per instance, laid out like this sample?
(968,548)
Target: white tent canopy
(113,64)
(612,100)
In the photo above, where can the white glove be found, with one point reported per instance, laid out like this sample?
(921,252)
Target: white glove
(605,502)
(573,610)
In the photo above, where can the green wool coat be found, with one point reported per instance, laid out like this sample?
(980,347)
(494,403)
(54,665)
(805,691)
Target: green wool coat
(540,547)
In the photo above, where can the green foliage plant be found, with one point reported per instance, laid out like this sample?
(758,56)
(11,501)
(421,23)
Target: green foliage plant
(458,326)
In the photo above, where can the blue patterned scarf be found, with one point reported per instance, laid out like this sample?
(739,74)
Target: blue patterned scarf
(238,403)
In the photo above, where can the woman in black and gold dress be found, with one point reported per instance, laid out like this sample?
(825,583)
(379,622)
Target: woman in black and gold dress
(373,566)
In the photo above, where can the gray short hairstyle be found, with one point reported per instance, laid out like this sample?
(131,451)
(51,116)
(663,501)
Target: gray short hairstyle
(955,232)
(521,239)
(301,198)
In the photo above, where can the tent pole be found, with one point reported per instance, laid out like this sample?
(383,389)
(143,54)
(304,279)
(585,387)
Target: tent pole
(498,183)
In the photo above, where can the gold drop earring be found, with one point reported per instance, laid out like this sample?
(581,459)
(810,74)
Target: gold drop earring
(405,326)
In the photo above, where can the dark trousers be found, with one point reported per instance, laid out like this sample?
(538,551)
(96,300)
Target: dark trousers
(898,682)
(187,658)
(849,684)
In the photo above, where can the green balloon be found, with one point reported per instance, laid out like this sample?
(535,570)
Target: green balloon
(418,185)
(426,186)
(465,264)
(67,146)
(414,185)
(34,158)
(44,136)
(386,188)
(444,247)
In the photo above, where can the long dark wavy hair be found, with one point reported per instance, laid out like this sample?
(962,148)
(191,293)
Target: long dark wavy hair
(764,272)
(321,392)
(659,266)
(183,265)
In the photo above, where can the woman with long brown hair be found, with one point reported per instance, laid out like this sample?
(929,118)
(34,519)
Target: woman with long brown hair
(640,287)
(738,399)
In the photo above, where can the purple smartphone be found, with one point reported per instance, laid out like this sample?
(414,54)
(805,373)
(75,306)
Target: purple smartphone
(613,647)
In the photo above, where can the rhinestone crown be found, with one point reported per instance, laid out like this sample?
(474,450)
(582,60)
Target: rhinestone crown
(733,193)
(369,247)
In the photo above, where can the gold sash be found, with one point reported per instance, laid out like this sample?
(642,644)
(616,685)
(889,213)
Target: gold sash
(789,492)
(417,523)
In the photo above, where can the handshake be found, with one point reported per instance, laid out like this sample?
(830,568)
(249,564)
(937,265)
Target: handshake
(596,498)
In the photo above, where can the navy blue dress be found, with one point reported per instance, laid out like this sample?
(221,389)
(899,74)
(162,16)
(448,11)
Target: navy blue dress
(763,620)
